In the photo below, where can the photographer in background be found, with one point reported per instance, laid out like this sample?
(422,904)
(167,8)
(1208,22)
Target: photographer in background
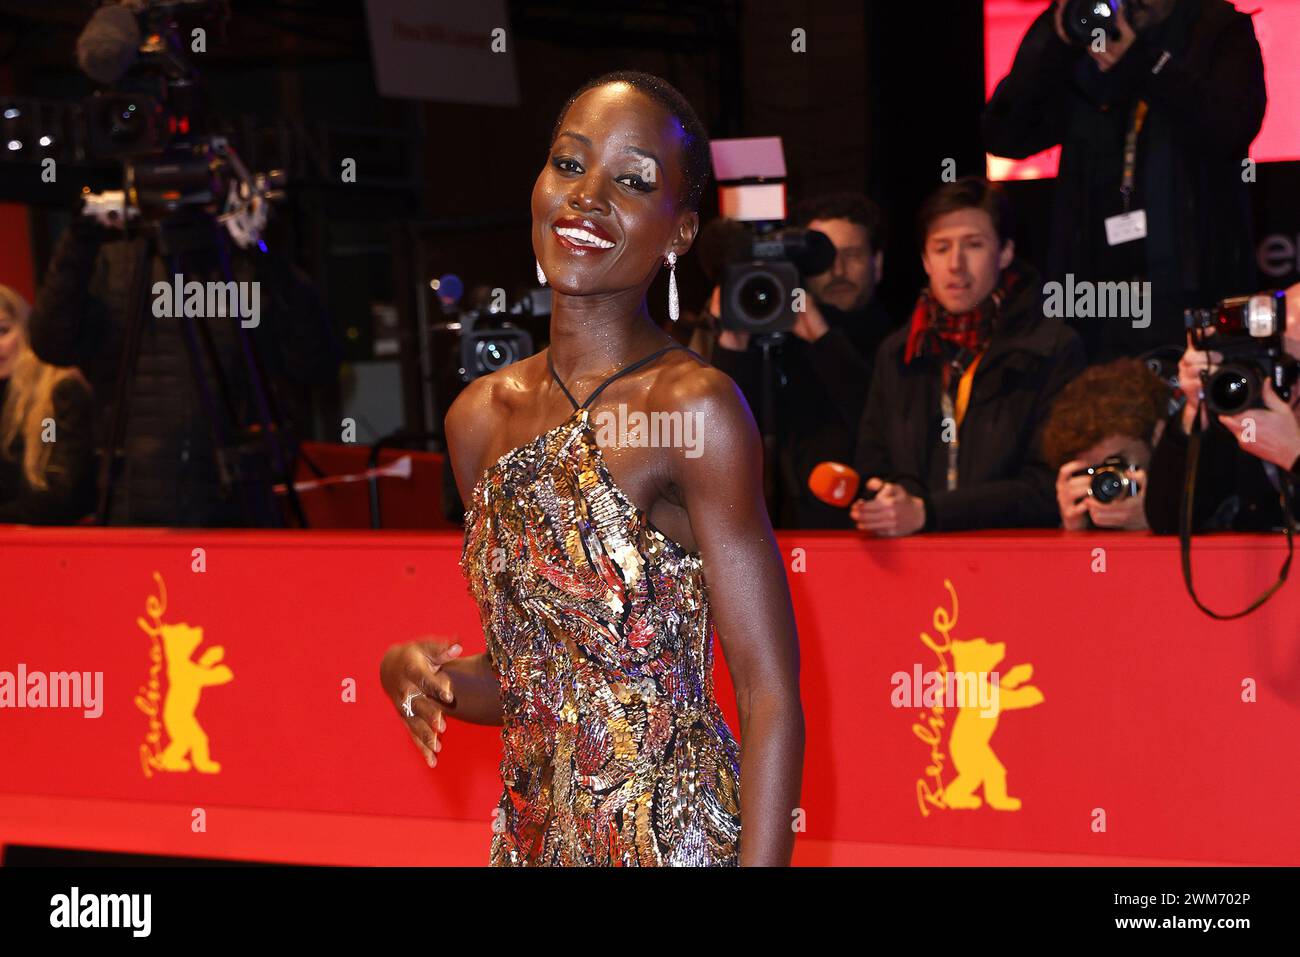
(824,368)
(47,452)
(950,436)
(1099,437)
(1183,86)
(1243,458)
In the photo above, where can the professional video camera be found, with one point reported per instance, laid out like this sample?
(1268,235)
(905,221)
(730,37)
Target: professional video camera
(481,337)
(489,340)
(182,183)
(761,275)
(153,116)
(1247,332)
(765,263)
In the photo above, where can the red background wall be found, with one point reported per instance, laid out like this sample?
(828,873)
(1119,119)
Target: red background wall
(1142,715)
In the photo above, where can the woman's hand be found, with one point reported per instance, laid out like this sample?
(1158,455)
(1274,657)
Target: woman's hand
(1072,495)
(416,668)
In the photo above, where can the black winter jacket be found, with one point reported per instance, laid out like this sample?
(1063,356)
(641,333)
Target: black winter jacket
(1003,481)
(820,390)
(1232,493)
(69,494)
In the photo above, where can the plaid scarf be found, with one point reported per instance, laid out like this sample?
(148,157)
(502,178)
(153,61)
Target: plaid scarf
(959,337)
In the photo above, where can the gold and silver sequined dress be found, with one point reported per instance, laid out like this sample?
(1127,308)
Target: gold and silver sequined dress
(598,627)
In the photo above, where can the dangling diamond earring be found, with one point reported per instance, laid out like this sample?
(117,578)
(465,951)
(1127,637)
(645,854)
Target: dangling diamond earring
(541,276)
(673,310)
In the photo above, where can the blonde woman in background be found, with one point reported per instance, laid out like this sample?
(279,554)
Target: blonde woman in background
(47,454)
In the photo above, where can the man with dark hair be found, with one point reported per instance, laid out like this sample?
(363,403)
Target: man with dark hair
(1155,128)
(824,369)
(950,436)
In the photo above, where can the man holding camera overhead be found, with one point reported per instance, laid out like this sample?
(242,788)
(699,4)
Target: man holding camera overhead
(1155,104)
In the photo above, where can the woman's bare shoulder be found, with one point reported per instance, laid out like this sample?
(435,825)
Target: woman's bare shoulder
(474,417)
(691,385)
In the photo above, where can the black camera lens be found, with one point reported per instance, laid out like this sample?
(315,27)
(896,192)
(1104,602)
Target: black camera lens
(495,354)
(1233,389)
(1108,486)
(125,124)
(1082,18)
(759,298)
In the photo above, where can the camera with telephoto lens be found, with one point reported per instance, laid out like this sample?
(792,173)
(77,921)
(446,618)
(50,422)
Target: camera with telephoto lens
(1110,479)
(1083,18)
(1247,332)
(763,271)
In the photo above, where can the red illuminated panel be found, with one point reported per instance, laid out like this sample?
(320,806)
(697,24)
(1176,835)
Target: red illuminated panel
(1277,25)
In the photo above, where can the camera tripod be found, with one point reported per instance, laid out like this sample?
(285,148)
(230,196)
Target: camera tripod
(179,241)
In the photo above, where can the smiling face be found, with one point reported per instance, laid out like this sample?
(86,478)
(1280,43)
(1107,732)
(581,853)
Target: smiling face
(964,258)
(607,207)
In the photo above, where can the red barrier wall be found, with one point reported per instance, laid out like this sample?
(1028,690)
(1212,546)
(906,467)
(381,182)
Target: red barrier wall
(1155,734)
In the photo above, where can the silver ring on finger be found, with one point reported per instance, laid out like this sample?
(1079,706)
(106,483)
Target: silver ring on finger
(406,705)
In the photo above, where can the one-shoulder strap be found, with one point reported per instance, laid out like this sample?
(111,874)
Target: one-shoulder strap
(624,371)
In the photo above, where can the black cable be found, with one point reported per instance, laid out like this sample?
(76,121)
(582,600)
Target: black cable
(1185,526)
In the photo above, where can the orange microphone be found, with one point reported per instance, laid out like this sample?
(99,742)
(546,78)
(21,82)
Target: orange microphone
(837,484)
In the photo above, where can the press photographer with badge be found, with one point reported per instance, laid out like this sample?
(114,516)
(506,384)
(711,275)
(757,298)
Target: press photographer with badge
(1154,104)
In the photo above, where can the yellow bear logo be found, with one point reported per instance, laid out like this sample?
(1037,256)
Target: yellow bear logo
(172,646)
(186,678)
(972,755)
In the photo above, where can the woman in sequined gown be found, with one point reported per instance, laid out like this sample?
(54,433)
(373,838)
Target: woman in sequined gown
(603,549)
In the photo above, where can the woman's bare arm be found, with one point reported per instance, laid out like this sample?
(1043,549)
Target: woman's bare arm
(753,613)
(475,690)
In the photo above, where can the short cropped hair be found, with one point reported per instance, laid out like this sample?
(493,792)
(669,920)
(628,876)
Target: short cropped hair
(855,207)
(969,192)
(696,160)
(1124,397)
